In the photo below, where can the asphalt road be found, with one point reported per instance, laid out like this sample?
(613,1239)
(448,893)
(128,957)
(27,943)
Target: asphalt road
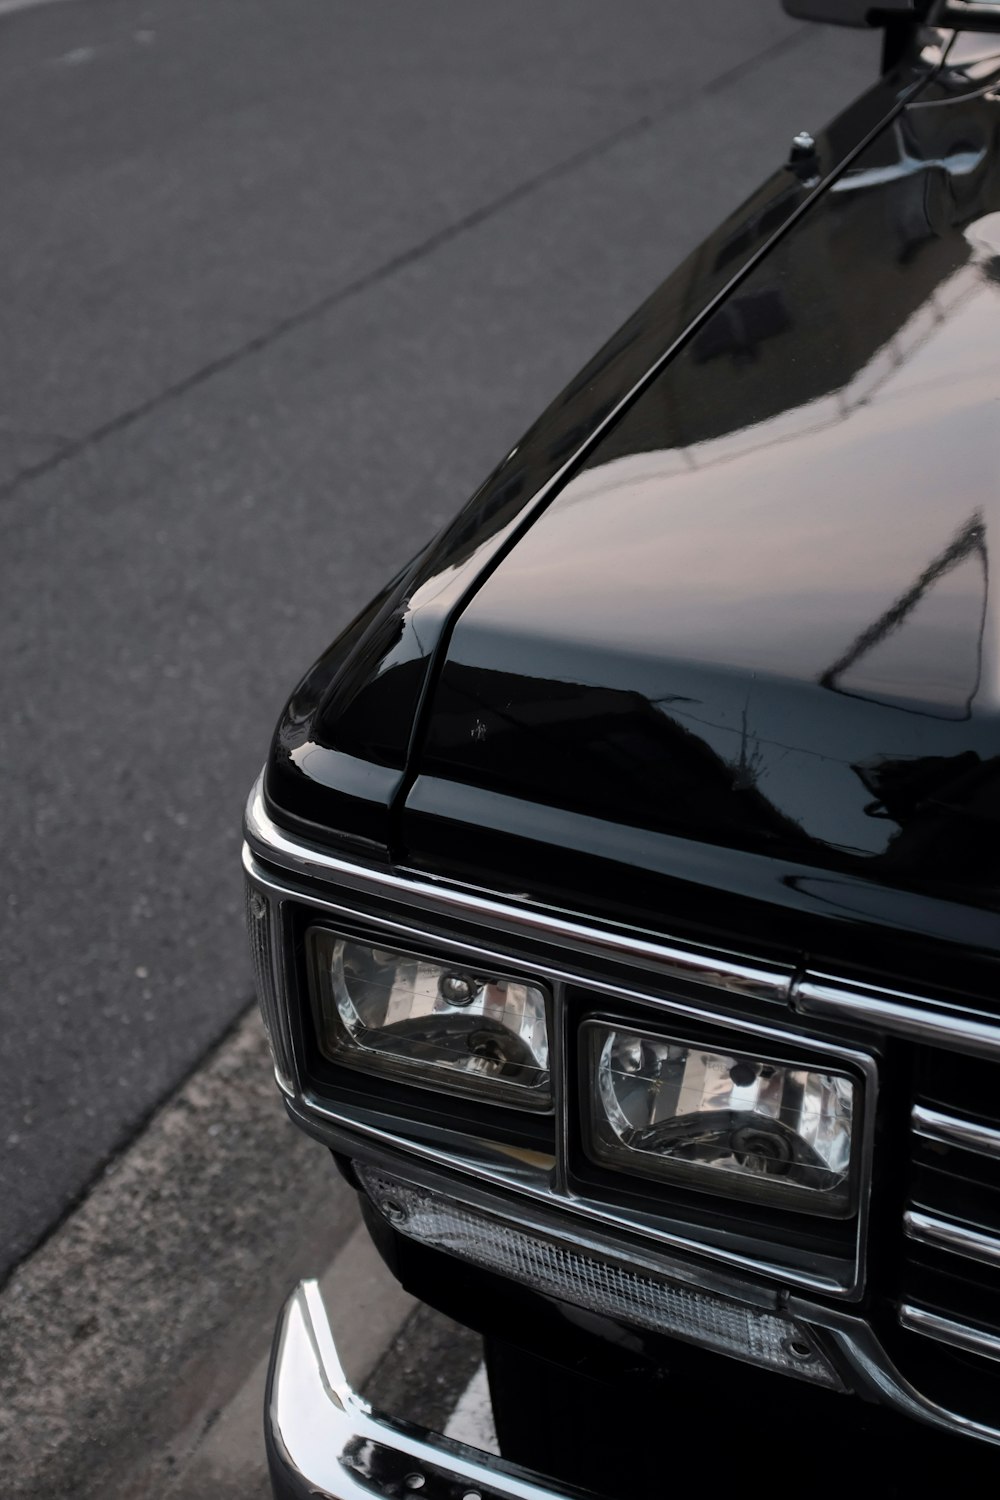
(279,284)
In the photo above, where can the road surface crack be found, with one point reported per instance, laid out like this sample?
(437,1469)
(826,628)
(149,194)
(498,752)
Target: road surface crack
(394,264)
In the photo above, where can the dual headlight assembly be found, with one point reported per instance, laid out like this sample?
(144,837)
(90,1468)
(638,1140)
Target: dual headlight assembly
(653,1105)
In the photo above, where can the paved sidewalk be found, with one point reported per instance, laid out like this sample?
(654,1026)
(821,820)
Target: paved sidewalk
(140,1319)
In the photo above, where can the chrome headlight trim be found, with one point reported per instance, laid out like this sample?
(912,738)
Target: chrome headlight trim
(603,1143)
(728,972)
(520,1188)
(911,1016)
(544,1180)
(352,983)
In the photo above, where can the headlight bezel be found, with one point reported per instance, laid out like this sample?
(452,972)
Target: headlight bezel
(439,1079)
(540,1156)
(645,1172)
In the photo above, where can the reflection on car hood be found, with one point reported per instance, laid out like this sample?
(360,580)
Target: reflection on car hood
(762,616)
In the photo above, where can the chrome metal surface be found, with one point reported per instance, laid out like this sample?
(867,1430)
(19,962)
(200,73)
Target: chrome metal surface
(588,1225)
(803,145)
(314,1418)
(971,1243)
(324,1441)
(345,1127)
(357,1137)
(875,1376)
(946,1331)
(725,971)
(263,927)
(950,1130)
(550,1221)
(609,1287)
(900,1015)
(803,159)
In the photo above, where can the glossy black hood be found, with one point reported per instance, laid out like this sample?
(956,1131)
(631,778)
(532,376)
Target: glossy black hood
(761,620)
(347,743)
(714,649)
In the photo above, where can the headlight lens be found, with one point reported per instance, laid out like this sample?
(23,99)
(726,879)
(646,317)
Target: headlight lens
(735,1124)
(447,1025)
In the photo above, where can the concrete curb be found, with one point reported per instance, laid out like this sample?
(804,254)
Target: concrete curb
(370,1309)
(131,1332)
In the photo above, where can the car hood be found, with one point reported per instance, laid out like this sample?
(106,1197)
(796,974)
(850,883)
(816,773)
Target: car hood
(761,619)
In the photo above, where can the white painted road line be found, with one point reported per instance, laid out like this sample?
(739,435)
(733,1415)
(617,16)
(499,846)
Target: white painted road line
(472,1419)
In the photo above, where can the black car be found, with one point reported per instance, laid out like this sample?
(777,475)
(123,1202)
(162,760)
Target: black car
(623,882)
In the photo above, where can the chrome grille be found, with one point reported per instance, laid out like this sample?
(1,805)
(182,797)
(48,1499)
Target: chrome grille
(951,1274)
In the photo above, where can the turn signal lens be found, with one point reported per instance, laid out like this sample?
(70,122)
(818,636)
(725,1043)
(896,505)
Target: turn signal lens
(732,1123)
(604,1285)
(443,1024)
(261,932)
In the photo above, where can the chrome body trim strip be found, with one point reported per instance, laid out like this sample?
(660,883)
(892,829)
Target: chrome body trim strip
(486,1163)
(947,1331)
(549,1222)
(819,995)
(528,1195)
(317,1428)
(875,1377)
(596,1227)
(951,1130)
(724,971)
(322,1437)
(348,1134)
(898,1014)
(946,1235)
(611,1286)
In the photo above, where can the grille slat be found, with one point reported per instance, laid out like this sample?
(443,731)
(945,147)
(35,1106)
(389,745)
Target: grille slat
(958,1335)
(952,1130)
(955,1198)
(957,1238)
(951,1268)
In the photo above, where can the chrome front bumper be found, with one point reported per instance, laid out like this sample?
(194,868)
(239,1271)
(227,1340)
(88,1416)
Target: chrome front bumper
(323,1440)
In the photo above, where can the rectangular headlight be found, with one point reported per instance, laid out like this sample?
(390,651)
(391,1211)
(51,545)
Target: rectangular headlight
(737,1124)
(447,1025)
